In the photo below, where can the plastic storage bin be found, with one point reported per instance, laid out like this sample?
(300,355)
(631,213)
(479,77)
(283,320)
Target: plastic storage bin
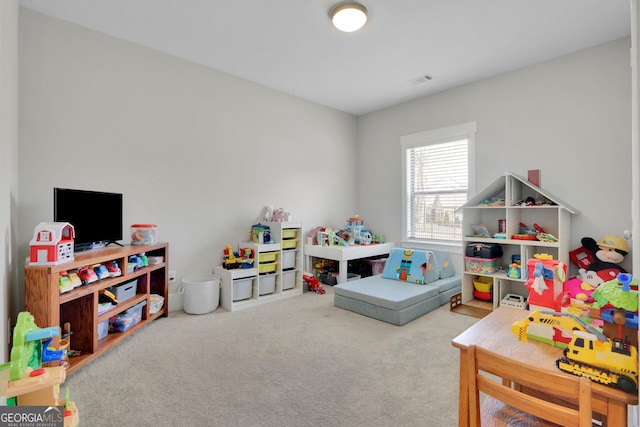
(288,259)
(480,265)
(329,279)
(103,329)
(267,267)
(268,256)
(143,234)
(289,233)
(242,288)
(288,279)
(483,284)
(289,243)
(267,284)
(127,319)
(483,288)
(126,290)
(377,265)
(201,293)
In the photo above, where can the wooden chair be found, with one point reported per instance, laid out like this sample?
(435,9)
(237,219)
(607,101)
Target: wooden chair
(524,396)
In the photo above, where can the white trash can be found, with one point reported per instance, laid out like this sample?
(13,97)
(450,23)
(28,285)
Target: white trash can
(201,293)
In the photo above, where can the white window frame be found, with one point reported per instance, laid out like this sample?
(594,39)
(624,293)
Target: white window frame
(436,136)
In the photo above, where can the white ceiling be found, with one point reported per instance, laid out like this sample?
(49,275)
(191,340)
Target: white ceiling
(291,46)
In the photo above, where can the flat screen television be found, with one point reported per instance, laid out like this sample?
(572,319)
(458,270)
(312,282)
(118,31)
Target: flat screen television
(96,216)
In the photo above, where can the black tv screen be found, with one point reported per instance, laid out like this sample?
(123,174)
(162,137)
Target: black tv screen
(96,216)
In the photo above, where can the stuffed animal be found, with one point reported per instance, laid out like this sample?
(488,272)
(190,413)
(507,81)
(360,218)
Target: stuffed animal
(598,263)
(607,254)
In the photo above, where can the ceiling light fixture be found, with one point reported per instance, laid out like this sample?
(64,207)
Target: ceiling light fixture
(349,17)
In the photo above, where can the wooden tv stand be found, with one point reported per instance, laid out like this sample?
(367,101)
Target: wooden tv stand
(79,307)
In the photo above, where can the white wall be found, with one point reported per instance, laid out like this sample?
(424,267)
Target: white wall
(635,151)
(200,152)
(195,151)
(569,117)
(635,52)
(8,164)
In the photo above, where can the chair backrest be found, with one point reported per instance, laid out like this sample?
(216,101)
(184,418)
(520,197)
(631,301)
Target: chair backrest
(552,396)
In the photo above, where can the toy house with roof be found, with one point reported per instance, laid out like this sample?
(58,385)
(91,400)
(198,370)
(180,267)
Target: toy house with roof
(52,244)
(523,220)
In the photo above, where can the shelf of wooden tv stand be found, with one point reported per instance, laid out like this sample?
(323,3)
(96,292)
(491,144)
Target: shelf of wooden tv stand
(79,306)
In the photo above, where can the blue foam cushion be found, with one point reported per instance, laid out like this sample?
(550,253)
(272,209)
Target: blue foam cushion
(411,265)
(445,264)
(376,290)
(432,269)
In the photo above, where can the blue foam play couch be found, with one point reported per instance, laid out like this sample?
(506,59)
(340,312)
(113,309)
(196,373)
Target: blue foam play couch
(413,283)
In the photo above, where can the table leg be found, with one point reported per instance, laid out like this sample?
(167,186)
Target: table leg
(342,272)
(308,268)
(463,400)
(616,413)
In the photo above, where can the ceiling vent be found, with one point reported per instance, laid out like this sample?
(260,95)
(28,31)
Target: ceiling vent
(422,79)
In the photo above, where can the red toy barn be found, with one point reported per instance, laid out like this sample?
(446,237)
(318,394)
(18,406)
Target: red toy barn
(52,244)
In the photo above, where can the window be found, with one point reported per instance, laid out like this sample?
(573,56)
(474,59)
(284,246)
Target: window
(436,169)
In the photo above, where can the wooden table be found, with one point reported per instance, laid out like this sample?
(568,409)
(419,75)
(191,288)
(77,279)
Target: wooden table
(493,332)
(343,254)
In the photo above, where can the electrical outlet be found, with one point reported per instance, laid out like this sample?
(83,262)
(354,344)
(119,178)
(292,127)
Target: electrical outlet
(172,276)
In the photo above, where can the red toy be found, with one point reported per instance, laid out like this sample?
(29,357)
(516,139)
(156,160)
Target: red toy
(87,275)
(313,284)
(52,244)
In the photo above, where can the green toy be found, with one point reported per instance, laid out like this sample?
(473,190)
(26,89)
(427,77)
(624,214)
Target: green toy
(621,297)
(28,351)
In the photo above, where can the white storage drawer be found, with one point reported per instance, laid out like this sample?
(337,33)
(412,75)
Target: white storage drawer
(242,288)
(288,279)
(288,259)
(267,283)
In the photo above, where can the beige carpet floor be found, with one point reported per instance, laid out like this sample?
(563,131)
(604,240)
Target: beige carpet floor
(293,362)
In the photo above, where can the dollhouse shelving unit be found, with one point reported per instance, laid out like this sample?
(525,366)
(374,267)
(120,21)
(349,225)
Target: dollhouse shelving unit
(553,215)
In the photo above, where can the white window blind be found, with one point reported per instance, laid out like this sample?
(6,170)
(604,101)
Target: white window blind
(436,171)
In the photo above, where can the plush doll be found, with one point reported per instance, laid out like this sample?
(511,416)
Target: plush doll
(599,262)
(607,254)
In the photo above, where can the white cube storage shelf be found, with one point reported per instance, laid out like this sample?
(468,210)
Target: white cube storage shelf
(277,271)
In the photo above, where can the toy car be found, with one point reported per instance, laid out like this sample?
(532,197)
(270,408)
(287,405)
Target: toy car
(113,269)
(101,271)
(136,261)
(73,276)
(65,283)
(87,275)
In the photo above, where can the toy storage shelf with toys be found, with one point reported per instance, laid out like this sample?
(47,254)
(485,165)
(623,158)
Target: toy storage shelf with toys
(290,267)
(524,220)
(276,273)
(81,306)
